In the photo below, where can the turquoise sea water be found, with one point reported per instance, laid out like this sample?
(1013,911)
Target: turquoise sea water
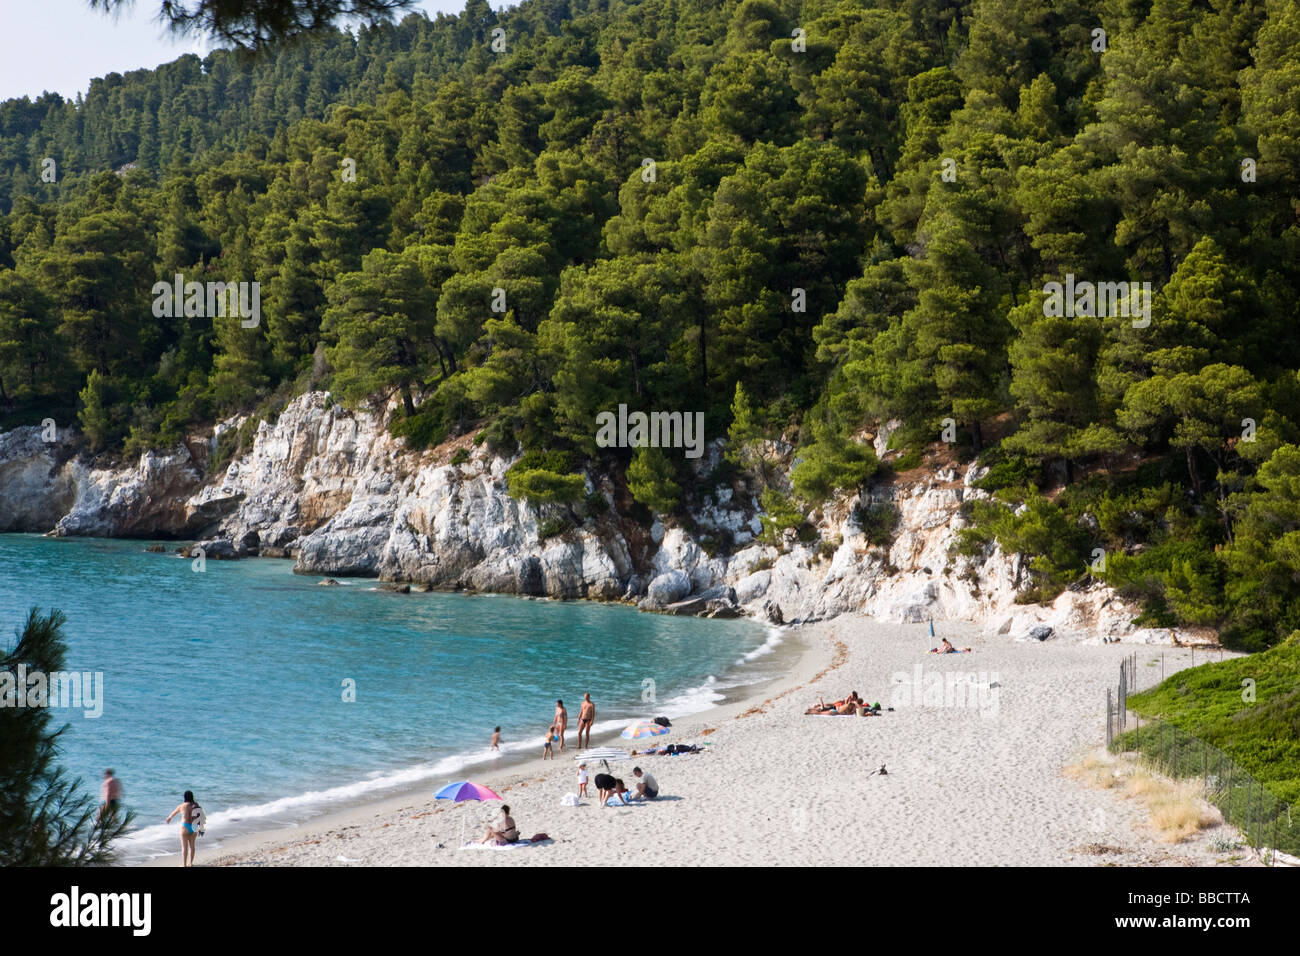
(231,682)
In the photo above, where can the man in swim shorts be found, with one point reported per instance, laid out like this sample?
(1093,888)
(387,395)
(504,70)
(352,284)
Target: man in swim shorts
(586,717)
(111,792)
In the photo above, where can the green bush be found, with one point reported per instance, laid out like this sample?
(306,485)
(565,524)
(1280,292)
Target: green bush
(878,520)
(553,527)
(650,479)
(780,513)
(543,477)
(1008,471)
(424,429)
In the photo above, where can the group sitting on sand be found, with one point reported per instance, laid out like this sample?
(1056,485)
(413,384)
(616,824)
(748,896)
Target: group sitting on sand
(853,704)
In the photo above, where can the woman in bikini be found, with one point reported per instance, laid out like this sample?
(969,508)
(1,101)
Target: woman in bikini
(186,810)
(508,833)
(561,721)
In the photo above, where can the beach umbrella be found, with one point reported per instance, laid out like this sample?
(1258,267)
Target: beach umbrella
(604,754)
(644,728)
(462,791)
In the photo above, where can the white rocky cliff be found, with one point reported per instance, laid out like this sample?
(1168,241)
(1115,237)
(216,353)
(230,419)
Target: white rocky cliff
(332,489)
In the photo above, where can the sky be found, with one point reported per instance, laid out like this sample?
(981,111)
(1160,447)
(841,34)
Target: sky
(60,45)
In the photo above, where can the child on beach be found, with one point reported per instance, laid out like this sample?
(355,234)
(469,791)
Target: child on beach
(582,780)
(496,739)
(547,753)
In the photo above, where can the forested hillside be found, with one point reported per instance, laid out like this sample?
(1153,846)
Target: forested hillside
(801,219)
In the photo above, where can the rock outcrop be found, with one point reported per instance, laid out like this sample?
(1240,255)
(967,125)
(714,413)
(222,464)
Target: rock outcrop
(333,490)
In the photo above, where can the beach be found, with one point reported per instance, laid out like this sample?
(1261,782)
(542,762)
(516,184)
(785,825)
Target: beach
(973,752)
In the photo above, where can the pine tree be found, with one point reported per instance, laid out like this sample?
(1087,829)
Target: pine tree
(45,818)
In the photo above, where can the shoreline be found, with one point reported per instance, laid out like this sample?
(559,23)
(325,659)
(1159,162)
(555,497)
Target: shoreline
(509,768)
(965,785)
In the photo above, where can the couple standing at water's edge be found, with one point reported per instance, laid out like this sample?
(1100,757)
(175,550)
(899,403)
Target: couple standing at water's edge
(556,732)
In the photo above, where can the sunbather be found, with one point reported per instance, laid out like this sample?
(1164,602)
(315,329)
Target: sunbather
(947,648)
(506,833)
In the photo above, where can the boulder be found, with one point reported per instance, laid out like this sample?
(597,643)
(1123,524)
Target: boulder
(667,588)
(772,611)
(219,549)
(249,543)
(715,602)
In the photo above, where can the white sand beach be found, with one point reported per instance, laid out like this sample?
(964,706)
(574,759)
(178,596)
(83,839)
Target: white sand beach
(965,785)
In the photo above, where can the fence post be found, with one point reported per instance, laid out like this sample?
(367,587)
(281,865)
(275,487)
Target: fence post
(1228,799)
(1255,818)
(1123,695)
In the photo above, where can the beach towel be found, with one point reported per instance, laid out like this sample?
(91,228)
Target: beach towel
(616,802)
(519,845)
(959,650)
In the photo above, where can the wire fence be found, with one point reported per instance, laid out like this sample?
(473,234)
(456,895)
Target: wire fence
(1265,821)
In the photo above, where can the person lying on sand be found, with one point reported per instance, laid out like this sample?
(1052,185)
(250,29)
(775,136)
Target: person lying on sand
(947,648)
(849,705)
(506,833)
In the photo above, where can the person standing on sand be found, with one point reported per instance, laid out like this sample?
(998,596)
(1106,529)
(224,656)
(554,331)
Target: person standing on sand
(561,720)
(547,752)
(188,835)
(586,717)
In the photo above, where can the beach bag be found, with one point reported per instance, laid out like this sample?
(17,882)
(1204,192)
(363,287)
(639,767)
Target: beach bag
(538,838)
(569,800)
(663,721)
